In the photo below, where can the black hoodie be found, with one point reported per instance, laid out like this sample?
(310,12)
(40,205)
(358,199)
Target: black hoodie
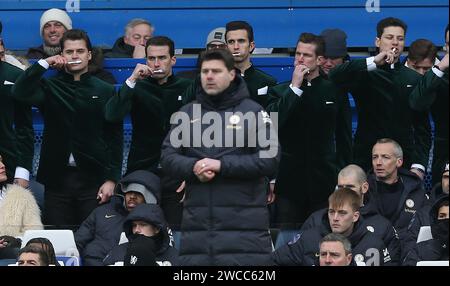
(428,250)
(166,254)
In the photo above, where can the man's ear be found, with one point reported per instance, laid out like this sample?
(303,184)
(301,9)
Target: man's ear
(377,42)
(356,216)
(399,162)
(89,55)
(233,74)
(252,47)
(319,60)
(365,187)
(173,60)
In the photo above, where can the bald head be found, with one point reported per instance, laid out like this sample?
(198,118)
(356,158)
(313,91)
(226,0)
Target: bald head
(355,172)
(354,178)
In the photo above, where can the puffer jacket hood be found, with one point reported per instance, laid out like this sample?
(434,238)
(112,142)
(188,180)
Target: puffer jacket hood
(435,207)
(232,96)
(152,214)
(146,178)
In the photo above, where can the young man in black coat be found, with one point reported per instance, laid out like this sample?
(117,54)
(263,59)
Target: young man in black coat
(223,145)
(344,218)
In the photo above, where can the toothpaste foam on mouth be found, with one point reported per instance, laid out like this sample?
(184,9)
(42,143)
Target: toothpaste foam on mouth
(236,54)
(74,62)
(158,71)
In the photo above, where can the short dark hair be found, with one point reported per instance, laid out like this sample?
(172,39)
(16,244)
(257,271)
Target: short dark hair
(43,257)
(240,25)
(47,246)
(161,41)
(318,41)
(390,22)
(422,49)
(446,31)
(345,195)
(223,55)
(73,35)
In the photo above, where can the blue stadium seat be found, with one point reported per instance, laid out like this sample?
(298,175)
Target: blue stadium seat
(68,260)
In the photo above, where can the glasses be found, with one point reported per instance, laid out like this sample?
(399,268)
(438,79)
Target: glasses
(216,46)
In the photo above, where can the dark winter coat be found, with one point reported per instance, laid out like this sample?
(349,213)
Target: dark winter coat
(225,221)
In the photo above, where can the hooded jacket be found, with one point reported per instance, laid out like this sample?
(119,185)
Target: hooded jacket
(366,246)
(100,232)
(428,250)
(18,212)
(166,253)
(225,221)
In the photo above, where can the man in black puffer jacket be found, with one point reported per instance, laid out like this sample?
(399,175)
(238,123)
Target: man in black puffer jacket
(225,217)
(146,226)
(100,232)
(343,217)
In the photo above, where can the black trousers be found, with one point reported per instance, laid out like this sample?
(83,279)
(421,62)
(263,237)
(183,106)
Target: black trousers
(67,205)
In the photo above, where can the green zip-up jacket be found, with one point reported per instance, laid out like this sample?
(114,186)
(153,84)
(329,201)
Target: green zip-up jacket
(382,102)
(16,124)
(74,123)
(315,137)
(257,81)
(150,105)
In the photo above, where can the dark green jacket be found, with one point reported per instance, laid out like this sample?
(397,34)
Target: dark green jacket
(307,129)
(431,94)
(16,126)
(73,113)
(150,106)
(255,80)
(382,102)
